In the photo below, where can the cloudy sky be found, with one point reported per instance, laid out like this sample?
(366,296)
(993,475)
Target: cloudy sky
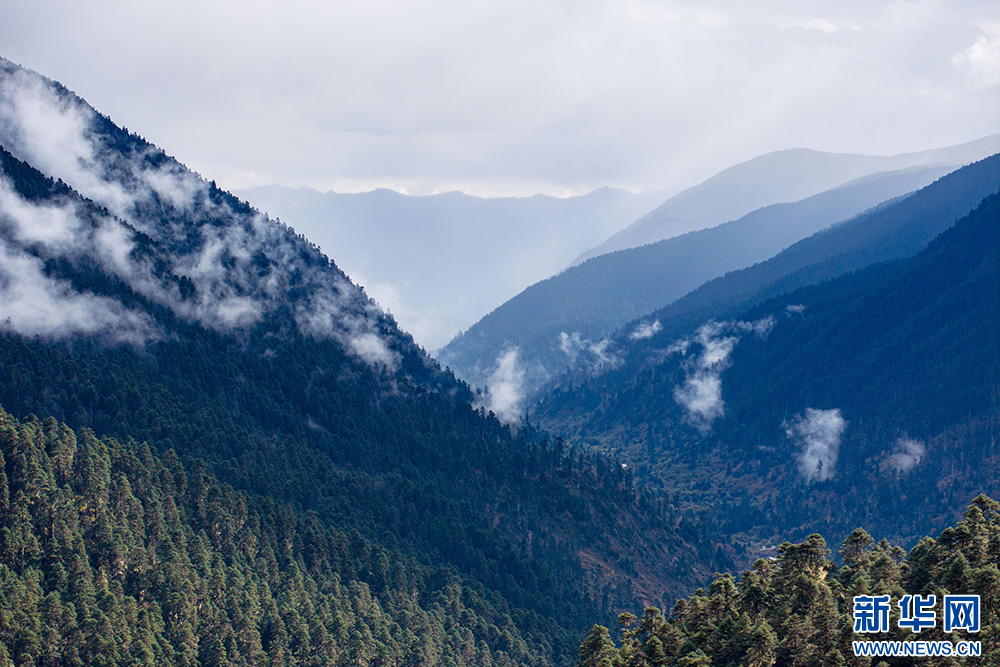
(516,97)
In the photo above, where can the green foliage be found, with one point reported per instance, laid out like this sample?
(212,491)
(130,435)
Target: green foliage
(796,609)
(113,555)
(597,650)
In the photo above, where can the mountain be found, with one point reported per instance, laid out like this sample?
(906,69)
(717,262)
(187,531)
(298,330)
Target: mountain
(440,262)
(869,399)
(897,229)
(782,176)
(562,321)
(217,450)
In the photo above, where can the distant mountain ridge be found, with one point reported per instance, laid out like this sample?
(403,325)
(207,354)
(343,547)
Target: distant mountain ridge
(782,176)
(896,229)
(440,262)
(561,321)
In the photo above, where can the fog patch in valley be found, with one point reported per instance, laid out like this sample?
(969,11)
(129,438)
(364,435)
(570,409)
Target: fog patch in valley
(700,394)
(505,392)
(816,436)
(907,453)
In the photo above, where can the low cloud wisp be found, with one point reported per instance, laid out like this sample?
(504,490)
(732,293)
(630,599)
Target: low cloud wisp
(817,435)
(700,395)
(505,388)
(586,355)
(33,304)
(906,455)
(646,330)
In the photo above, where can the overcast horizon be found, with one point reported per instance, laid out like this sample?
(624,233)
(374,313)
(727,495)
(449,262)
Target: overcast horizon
(516,98)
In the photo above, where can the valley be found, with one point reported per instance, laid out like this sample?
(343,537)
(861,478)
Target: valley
(216,448)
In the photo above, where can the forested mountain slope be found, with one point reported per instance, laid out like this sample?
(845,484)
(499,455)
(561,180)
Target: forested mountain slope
(588,302)
(174,329)
(870,399)
(113,554)
(797,608)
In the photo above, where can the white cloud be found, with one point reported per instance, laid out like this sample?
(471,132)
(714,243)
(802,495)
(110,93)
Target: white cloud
(603,356)
(981,61)
(646,330)
(543,98)
(571,345)
(428,326)
(760,327)
(816,23)
(202,240)
(505,388)
(232,312)
(584,354)
(114,247)
(174,184)
(33,304)
(715,348)
(372,349)
(37,223)
(906,455)
(340,314)
(52,133)
(679,347)
(700,395)
(817,435)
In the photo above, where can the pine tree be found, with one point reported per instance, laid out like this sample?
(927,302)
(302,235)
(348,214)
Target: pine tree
(597,649)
